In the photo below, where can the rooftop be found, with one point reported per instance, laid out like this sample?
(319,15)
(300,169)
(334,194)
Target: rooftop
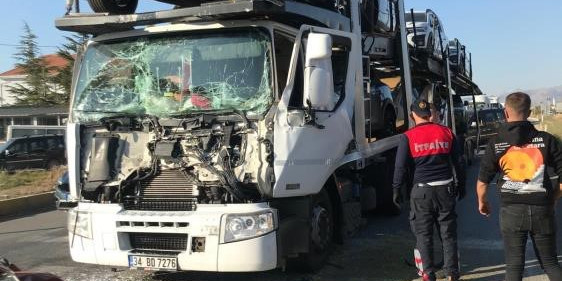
(51,60)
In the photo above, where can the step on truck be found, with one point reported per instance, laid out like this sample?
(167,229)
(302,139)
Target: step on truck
(231,136)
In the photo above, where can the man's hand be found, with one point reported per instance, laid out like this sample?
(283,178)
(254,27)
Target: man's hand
(484,208)
(396,197)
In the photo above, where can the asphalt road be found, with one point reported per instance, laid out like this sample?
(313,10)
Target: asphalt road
(381,251)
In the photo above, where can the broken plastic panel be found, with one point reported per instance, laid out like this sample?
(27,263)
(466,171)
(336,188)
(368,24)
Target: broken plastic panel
(166,76)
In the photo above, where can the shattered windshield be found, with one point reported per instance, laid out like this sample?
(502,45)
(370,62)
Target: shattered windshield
(175,75)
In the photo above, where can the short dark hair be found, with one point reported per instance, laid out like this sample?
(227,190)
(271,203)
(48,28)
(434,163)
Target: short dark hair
(519,102)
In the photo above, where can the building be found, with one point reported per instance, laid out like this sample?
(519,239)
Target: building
(31,115)
(558,108)
(11,114)
(16,76)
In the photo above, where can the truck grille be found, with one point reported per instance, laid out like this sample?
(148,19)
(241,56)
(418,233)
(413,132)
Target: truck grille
(170,190)
(158,241)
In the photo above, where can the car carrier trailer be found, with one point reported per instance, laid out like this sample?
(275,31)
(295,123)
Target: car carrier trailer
(228,136)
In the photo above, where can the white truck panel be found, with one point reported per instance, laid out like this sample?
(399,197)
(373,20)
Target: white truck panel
(256,254)
(110,244)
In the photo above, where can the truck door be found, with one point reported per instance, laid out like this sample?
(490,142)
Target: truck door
(313,124)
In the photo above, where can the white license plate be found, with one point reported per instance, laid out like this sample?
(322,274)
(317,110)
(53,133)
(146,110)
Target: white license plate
(153,262)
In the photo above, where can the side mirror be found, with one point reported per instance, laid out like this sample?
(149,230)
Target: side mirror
(318,74)
(465,103)
(7,152)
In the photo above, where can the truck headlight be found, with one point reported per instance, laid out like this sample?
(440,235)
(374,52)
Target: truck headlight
(79,223)
(245,226)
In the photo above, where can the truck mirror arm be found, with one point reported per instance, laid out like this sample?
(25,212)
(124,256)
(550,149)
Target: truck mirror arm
(310,116)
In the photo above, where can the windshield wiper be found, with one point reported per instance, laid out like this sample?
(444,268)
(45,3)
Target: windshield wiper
(118,115)
(214,112)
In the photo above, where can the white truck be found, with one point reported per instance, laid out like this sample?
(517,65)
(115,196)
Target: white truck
(228,136)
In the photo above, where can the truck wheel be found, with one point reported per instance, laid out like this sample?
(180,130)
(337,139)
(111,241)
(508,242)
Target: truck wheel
(116,7)
(384,186)
(389,125)
(321,238)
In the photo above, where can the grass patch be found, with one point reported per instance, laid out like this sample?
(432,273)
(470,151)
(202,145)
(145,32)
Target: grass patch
(553,125)
(27,182)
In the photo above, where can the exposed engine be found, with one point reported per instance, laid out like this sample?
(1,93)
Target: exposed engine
(171,164)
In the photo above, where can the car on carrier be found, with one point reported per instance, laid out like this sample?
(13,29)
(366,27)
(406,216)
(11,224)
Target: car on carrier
(34,152)
(426,33)
(457,56)
(378,16)
(383,111)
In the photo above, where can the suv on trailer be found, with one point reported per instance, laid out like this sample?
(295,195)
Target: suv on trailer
(457,56)
(426,33)
(36,152)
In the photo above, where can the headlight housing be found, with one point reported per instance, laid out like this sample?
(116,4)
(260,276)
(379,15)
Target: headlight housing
(245,226)
(79,223)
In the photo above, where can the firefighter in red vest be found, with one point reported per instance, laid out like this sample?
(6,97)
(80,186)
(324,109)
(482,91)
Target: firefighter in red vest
(429,155)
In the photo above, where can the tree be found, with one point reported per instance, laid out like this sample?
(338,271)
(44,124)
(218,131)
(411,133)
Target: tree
(536,111)
(68,51)
(38,87)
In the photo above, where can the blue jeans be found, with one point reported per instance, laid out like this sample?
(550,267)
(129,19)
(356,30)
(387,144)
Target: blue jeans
(519,221)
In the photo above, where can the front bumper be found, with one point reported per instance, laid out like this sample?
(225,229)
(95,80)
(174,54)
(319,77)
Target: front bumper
(112,229)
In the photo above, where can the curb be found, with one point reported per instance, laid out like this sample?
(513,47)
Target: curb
(19,205)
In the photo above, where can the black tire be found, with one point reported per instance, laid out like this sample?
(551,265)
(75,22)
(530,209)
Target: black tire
(321,234)
(384,186)
(389,125)
(114,7)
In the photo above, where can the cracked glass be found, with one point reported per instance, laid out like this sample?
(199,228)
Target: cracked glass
(169,76)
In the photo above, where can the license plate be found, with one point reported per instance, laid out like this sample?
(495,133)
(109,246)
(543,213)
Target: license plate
(153,263)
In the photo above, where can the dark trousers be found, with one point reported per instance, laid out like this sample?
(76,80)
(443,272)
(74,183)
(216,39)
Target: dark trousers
(517,222)
(430,206)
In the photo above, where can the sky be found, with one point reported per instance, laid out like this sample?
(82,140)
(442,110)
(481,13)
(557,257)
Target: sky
(515,44)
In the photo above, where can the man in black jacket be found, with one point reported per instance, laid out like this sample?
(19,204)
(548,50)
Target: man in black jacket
(430,151)
(522,154)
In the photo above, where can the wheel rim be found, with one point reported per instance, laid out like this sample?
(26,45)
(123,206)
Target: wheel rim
(321,228)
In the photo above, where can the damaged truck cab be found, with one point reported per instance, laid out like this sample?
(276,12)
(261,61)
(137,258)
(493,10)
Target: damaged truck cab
(193,144)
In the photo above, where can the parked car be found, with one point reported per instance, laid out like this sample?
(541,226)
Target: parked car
(426,33)
(62,191)
(34,152)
